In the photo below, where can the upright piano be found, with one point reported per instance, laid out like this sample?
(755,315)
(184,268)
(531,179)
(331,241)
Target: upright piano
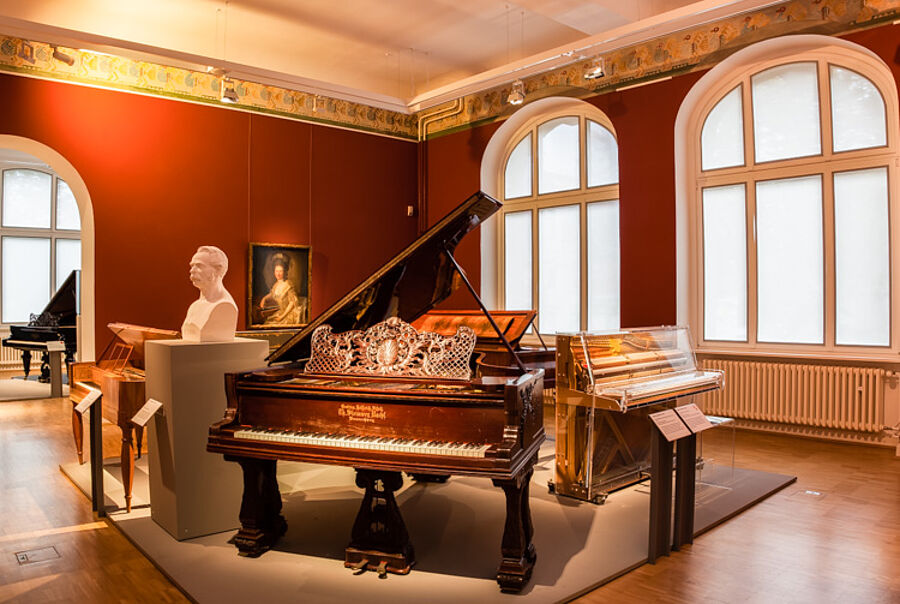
(119,376)
(607,384)
(57,322)
(361,387)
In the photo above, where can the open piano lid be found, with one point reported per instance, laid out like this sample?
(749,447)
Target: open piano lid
(412,283)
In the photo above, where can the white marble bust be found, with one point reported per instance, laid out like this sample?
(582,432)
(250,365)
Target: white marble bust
(213,316)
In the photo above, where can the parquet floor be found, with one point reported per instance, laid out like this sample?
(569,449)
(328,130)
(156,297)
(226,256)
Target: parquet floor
(834,536)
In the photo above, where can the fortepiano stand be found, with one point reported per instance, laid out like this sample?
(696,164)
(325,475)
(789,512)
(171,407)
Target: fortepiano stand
(261,520)
(517,549)
(379,540)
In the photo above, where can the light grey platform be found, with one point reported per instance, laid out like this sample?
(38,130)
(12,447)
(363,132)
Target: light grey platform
(455,529)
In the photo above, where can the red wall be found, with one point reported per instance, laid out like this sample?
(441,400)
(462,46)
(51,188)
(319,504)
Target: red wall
(644,119)
(166,176)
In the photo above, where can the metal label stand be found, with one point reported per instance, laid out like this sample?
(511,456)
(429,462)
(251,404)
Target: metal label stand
(662,540)
(98,499)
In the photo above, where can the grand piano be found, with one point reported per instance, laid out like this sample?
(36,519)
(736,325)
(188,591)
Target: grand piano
(57,322)
(361,387)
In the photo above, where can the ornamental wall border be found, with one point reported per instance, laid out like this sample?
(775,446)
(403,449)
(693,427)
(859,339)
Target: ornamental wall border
(692,49)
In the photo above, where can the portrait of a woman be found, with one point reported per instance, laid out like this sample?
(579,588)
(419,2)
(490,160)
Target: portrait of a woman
(278,288)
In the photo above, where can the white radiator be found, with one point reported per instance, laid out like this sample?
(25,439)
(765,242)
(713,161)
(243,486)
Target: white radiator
(11,359)
(844,398)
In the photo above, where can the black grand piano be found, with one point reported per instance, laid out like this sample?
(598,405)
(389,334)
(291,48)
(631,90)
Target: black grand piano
(361,387)
(56,323)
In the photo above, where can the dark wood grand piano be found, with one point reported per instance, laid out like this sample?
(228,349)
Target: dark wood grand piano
(56,323)
(383,398)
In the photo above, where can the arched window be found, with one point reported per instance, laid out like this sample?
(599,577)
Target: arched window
(792,224)
(40,235)
(558,232)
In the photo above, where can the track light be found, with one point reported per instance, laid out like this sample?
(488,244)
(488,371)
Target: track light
(62,57)
(229,94)
(595,69)
(517,94)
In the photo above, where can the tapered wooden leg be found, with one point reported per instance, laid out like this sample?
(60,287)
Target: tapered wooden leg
(127,458)
(139,439)
(261,520)
(518,551)
(78,432)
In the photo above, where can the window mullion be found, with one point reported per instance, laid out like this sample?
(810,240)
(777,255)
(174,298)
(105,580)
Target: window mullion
(535,266)
(582,224)
(752,280)
(828,238)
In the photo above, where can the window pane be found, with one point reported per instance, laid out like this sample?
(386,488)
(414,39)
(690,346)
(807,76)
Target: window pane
(857,111)
(559,159)
(66,208)
(602,156)
(559,259)
(862,263)
(789,260)
(724,264)
(68,259)
(26,198)
(603,264)
(518,279)
(786,112)
(722,139)
(25,277)
(517,180)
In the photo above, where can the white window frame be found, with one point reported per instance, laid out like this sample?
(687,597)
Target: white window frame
(826,164)
(52,233)
(582,196)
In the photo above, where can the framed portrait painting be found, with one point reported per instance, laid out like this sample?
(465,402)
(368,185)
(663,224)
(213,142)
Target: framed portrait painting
(278,285)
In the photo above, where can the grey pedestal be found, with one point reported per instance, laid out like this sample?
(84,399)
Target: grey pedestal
(192,492)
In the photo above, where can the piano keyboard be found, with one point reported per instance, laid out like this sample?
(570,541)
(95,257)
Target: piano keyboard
(371,443)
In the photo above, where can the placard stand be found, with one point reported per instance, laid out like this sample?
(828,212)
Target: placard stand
(680,425)
(95,429)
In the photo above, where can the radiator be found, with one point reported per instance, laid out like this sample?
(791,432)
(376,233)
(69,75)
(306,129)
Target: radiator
(11,359)
(844,398)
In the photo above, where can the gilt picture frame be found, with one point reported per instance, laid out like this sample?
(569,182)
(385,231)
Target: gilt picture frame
(278,285)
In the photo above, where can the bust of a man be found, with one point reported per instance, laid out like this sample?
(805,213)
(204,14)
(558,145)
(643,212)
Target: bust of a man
(213,316)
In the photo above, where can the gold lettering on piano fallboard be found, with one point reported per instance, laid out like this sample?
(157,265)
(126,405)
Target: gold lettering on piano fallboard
(361,412)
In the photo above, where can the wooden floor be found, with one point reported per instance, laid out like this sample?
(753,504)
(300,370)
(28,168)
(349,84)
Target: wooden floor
(834,536)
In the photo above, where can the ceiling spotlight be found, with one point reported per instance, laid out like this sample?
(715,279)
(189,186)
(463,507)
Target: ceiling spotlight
(62,57)
(229,94)
(517,94)
(595,69)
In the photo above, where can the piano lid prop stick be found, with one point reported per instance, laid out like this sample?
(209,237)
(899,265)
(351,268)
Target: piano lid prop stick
(485,311)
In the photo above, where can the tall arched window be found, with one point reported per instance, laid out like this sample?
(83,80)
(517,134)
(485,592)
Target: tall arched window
(40,235)
(559,227)
(794,208)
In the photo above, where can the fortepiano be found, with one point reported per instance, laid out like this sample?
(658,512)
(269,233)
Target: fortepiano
(360,387)
(607,384)
(119,376)
(57,322)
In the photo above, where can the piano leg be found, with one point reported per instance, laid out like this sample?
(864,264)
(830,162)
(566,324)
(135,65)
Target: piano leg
(261,520)
(26,361)
(517,549)
(379,540)
(127,458)
(78,432)
(44,378)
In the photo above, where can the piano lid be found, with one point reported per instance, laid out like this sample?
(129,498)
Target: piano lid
(64,304)
(413,282)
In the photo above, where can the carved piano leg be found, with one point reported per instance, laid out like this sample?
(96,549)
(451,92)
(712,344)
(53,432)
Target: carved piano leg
(139,439)
(517,548)
(261,520)
(78,433)
(26,361)
(44,378)
(379,540)
(127,458)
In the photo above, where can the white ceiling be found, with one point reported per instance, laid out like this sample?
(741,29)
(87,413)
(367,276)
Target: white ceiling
(400,54)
